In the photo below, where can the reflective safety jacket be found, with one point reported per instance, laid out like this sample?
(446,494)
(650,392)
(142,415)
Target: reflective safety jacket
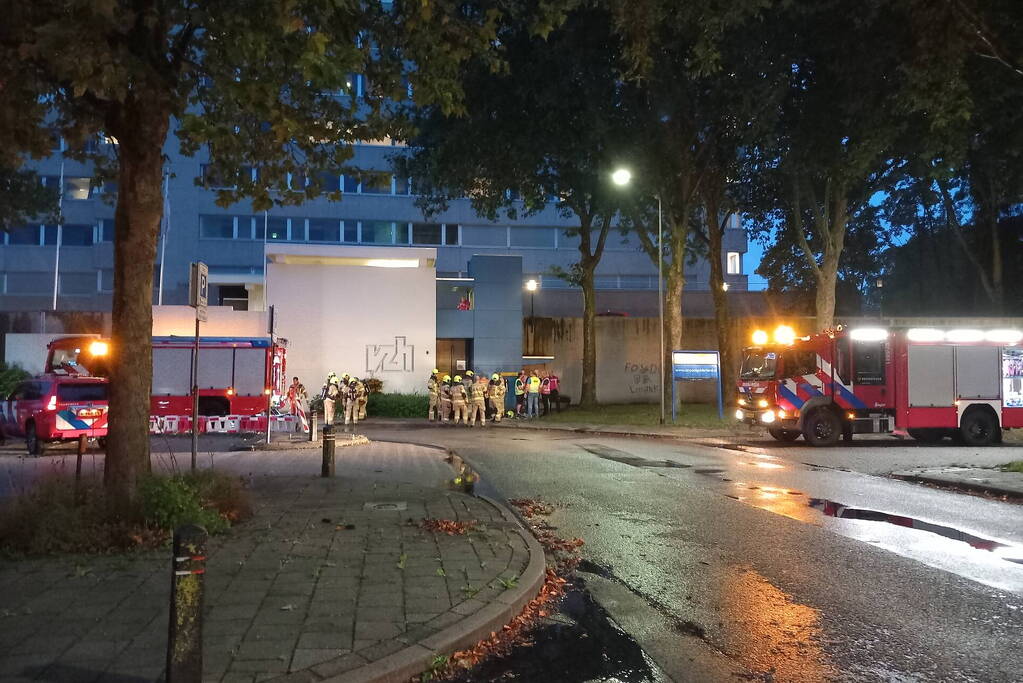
(479,392)
(458,394)
(533,385)
(520,386)
(432,387)
(497,389)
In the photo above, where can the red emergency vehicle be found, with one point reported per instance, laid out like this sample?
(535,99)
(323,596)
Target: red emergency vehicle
(925,382)
(236,375)
(54,408)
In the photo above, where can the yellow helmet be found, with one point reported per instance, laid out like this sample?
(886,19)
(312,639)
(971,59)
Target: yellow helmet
(447,378)
(468,373)
(495,376)
(435,371)
(458,378)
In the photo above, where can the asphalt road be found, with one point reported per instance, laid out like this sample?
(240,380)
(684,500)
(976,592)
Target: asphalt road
(776,562)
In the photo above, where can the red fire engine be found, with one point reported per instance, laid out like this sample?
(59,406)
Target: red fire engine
(928,383)
(236,375)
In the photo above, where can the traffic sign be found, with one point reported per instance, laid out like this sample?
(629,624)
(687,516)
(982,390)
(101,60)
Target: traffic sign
(199,289)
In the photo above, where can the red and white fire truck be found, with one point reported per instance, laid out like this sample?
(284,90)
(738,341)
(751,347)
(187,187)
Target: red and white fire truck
(237,376)
(925,382)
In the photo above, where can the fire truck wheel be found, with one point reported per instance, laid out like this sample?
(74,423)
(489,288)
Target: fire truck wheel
(785,434)
(980,428)
(35,446)
(822,428)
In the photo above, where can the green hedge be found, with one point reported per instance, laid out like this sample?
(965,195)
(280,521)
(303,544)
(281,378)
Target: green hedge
(10,376)
(397,405)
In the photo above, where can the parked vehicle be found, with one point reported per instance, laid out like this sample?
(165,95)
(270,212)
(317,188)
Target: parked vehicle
(922,382)
(49,409)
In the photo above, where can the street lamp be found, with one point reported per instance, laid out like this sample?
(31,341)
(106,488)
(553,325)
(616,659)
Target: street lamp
(531,287)
(623,177)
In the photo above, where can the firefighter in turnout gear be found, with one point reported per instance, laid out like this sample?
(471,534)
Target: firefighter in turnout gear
(354,392)
(458,399)
(433,388)
(363,398)
(445,399)
(330,393)
(496,392)
(478,396)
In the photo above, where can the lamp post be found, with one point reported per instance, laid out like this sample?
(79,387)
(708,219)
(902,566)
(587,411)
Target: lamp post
(623,177)
(531,287)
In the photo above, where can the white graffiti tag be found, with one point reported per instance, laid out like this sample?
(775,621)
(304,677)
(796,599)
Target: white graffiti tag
(396,357)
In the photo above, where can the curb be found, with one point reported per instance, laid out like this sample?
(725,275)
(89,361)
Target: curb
(414,659)
(608,432)
(1014,494)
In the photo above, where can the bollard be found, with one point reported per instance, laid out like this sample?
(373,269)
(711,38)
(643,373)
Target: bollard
(328,452)
(312,425)
(184,634)
(82,443)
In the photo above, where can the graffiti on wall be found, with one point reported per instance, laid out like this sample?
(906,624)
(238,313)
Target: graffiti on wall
(398,356)
(642,378)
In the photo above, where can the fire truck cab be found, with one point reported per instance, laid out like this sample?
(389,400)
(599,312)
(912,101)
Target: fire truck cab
(926,383)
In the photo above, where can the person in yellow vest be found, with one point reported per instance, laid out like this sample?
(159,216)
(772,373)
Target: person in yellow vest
(496,393)
(533,395)
(445,399)
(355,391)
(433,389)
(458,399)
(520,393)
(479,402)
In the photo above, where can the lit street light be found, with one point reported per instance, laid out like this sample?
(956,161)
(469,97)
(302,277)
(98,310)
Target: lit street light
(531,287)
(623,177)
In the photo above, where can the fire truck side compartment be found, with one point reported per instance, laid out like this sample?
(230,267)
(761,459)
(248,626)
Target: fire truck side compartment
(978,372)
(215,368)
(171,371)
(931,381)
(249,371)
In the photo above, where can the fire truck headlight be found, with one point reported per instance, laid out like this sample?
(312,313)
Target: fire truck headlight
(768,417)
(230,391)
(739,415)
(742,401)
(762,403)
(99,348)
(782,414)
(52,404)
(784,335)
(760,337)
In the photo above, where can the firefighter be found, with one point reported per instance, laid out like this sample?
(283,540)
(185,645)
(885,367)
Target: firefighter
(496,393)
(458,397)
(468,382)
(445,399)
(363,398)
(329,393)
(479,402)
(433,388)
(355,392)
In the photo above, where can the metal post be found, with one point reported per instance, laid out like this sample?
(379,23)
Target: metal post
(163,233)
(327,470)
(312,425)
(60,225)
(195,394)
(660,307)
(184,633)
(82,439)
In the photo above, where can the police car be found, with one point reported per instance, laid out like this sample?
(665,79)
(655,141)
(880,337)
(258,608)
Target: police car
(50,408)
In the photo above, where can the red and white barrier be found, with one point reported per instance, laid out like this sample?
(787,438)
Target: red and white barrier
(226,424)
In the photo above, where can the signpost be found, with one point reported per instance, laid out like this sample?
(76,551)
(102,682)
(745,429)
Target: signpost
(198,297)
(693,365)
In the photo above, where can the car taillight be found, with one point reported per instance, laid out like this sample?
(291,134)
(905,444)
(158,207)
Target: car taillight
(52,404)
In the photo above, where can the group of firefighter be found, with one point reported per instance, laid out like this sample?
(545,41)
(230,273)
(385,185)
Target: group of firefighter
(347,391)
(464,400)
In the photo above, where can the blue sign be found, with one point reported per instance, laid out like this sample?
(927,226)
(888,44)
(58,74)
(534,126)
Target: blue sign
(693,365)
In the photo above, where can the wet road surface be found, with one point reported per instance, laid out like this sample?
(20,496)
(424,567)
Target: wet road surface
(757,563)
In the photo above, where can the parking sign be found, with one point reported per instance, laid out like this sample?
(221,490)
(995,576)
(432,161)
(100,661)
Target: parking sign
(198,289)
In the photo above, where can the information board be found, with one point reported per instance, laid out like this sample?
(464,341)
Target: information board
(695,365)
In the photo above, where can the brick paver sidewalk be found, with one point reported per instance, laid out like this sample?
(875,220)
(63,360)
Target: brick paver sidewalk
(329,577)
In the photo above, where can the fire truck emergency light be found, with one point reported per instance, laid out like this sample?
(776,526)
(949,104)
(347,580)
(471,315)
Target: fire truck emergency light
(925,334)
(869,334)
(784,335)
(760,337)
(99,348)
(1004,336)
(964,336)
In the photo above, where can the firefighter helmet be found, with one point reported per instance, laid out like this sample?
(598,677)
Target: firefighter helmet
(495,376)
(447,378)
(468,373)
(458,378)
(435,371)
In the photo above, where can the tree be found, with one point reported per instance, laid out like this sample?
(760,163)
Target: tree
(548,140)
(23,198)
(259,83)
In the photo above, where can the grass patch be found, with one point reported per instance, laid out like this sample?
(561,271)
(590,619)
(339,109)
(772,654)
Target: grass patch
(53,518)
(1014,466)
(643,414)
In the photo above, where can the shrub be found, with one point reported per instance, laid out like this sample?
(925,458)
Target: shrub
(170,502)
(397,405)
(373,385)
(10,376)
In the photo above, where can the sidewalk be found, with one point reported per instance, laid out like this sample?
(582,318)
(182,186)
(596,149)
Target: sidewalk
(331,579)
(980,479)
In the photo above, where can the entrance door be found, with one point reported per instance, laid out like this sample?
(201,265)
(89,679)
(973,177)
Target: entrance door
(454,356)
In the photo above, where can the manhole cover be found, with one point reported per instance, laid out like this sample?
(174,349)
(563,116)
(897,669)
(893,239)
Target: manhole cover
(386,506)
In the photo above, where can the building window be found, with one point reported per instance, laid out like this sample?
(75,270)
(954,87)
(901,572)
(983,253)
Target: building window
(451,235)
(402,185)
(734,263)
(277,229)
(427,233)
(328,182)
(29,283)
(324,230)
(350,183)
(26,234)
(106,230)
(211,179)
(485,235)
(350,231)
(533,237)
(77,188)
(77,283)
(378,232)
(70,235)
(216,227)
(106,280)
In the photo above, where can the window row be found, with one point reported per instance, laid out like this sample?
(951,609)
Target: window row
(365,182)
(40,283)
(69,234)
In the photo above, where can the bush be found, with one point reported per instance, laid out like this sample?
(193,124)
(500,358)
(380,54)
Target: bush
(373,385)
(51,518)
(397,405)
(10,376)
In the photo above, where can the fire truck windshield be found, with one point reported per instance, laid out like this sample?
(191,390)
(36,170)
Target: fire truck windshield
(758,364)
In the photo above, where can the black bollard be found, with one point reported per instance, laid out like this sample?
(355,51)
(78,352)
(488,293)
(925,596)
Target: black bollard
(184,634)
(328,452)
(82,444)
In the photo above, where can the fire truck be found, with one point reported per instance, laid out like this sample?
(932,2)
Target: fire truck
(926,383)
(236,375)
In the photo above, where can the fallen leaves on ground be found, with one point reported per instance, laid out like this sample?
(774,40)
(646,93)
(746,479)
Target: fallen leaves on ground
(447,526)
(531,507)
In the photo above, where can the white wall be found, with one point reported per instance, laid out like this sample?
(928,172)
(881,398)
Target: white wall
(29,350)
(364,320)
(221,321)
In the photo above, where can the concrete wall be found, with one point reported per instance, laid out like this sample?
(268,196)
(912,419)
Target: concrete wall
(221,321)
(364,320)
(28,350)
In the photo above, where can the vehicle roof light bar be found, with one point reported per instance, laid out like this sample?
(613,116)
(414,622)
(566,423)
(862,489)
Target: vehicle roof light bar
(869,334)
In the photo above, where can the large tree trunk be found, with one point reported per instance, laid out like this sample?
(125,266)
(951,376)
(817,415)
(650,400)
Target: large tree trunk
(827,278)
(141,131)
(589,388)
(715,240)
(674,283)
